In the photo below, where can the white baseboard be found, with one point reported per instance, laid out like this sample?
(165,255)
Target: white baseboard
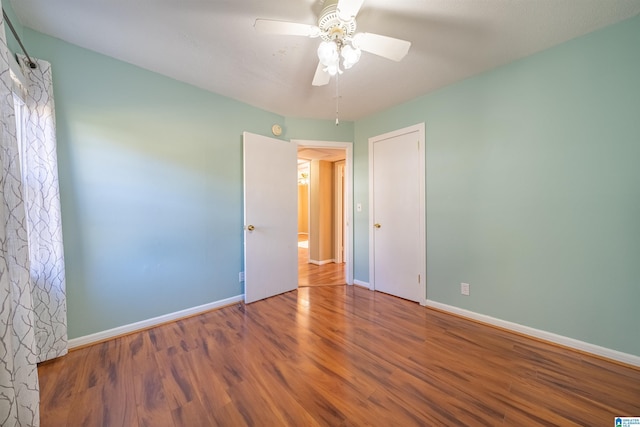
(144,324)
(619,356)
(586,347)
(361,283)
(323,262)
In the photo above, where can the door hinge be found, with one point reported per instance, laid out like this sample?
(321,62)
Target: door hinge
(418,279)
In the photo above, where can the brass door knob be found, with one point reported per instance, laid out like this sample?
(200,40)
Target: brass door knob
(250,227)
(376,225)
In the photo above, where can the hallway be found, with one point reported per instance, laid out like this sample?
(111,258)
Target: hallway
(316,275)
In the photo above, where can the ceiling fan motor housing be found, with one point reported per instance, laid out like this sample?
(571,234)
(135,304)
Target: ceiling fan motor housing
(332,27)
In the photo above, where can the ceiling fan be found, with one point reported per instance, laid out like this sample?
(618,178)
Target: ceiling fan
(337,29)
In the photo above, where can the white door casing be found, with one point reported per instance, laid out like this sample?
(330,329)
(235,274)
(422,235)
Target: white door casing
(338,178)
(270,216)
(397,261)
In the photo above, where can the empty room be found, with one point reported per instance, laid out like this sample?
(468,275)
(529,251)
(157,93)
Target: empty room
(320,213)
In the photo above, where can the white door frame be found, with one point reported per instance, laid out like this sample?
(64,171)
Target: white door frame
(422,236)
(348,197)
(338,214)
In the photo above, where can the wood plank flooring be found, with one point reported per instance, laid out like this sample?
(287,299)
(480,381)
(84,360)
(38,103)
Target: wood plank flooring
(317,275)
(332,356)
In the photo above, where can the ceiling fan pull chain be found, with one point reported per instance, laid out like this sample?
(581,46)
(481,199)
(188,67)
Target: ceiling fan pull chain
(337,101)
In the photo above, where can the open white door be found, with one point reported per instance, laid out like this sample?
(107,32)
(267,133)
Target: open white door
(270,217)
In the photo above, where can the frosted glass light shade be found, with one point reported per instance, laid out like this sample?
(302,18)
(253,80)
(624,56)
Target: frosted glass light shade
(333,69)
(350,56)
(328,53)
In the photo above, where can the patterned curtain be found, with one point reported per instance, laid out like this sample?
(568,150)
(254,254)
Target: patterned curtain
(42,201)
(19,389)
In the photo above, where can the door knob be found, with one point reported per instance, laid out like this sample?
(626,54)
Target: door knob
(250,227)
(376,225)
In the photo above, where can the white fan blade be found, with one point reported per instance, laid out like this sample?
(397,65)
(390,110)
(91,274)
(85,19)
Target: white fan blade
(387,47)
(348,9)
(321,77)
(268,26)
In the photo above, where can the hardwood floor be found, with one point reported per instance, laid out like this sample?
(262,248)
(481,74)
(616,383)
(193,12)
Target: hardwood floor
(317,275)
(332,356)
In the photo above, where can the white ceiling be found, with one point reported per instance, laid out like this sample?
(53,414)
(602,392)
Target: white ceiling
(327,154)
(212,43)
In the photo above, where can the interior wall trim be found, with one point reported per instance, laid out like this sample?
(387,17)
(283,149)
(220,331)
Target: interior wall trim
(596,350)
(150,323)
(361,283)
(323,262)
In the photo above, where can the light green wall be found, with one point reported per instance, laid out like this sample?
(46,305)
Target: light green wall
(533,189)
(322,130)
(151,186)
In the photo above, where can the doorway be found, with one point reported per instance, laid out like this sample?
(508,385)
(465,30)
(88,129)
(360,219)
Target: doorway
(324,213)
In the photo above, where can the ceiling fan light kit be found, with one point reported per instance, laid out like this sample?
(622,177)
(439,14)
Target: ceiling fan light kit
(337,28)
(329,54)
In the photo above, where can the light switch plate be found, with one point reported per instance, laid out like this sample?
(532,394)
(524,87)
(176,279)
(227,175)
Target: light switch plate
(465,288)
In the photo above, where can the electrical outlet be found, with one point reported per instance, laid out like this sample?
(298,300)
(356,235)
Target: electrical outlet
(464,288)
(241,276)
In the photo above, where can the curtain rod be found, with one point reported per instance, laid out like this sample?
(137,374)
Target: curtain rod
(32,64)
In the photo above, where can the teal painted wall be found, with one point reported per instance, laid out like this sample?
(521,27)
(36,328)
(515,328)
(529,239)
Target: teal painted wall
(533,189)
(322,130)
(151,186)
